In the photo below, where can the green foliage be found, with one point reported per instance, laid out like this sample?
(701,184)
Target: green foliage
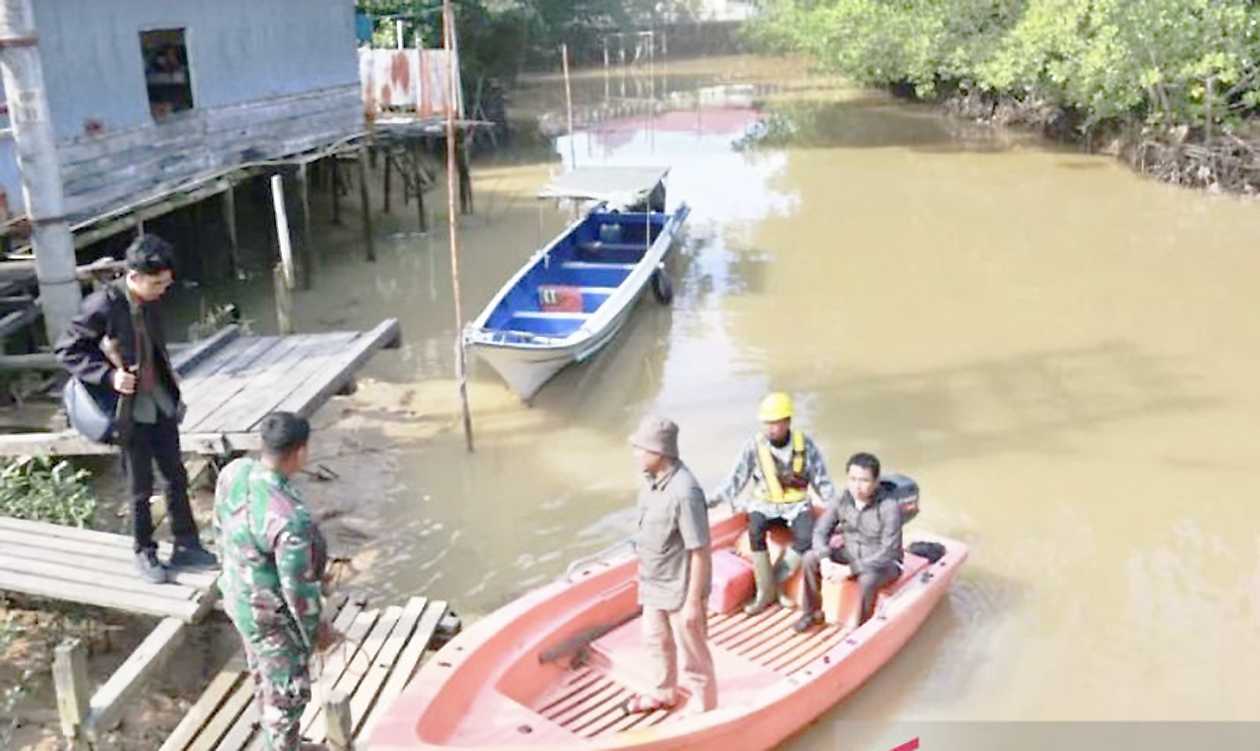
(1162,62)
(12,693)
(39,489)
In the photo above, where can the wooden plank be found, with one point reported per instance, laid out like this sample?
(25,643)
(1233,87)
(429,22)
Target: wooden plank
(228,713)
(200,580)
(57,572)
(207,705)
(187,360)
(70,443)
(11,532)
(185,610)
(407,662)
(232,382)
(243,727)
(350,679)
(269,373)
(371,684)
(336,662)
(191,381)
(210,393)
(305,400)
(314,365)
(108,701)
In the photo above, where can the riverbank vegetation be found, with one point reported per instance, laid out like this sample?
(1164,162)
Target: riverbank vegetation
(1171,85)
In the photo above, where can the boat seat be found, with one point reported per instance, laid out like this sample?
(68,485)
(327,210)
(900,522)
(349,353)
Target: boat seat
(841,597)
(580,265)
(554,315)
(595,246)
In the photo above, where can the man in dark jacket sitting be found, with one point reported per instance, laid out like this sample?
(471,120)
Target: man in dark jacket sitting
(869,522)
(124,315)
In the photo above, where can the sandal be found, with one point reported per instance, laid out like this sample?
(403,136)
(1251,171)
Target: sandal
(641,703)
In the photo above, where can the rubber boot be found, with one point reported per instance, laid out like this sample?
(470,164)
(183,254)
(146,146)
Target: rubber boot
(788,565)
(767,588)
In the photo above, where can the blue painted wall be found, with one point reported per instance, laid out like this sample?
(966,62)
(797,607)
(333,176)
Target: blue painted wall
(238,51)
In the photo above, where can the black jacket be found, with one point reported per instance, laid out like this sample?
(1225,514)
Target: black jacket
(872,535)
(107,312)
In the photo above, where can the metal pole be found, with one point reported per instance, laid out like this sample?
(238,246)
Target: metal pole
(568,103)
(461,373)
(51,238)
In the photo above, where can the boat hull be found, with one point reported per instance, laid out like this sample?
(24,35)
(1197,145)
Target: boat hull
(493,686)
(525,361)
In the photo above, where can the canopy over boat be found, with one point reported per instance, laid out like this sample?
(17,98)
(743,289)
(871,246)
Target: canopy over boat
(624,186)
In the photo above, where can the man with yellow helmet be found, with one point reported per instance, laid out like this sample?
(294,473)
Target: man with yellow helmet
(782,464)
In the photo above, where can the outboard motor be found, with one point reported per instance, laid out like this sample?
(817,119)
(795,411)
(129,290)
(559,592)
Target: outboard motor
(903,490)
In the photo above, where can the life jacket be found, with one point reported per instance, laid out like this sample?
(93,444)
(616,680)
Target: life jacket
(790,485)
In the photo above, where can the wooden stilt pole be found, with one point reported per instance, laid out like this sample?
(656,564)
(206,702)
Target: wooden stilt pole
(385,181)
(465,176)
(308,244)
(70,680)
(568,103)
(284,301)
(461,374)
(418,185)
(35,144)
(284,242)
(366,205)
(229,220)
(335,179)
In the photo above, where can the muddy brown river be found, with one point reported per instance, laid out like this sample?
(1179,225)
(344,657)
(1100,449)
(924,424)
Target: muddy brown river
(1062,353)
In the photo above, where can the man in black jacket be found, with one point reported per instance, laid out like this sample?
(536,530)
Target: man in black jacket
(869,522)
(124,314)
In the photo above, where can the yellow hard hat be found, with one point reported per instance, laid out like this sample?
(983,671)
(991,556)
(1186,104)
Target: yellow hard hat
(776,406)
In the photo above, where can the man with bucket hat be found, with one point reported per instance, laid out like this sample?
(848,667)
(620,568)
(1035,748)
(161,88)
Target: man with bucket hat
(674,573)
(782,465)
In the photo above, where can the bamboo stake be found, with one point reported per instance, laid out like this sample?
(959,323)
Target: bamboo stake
(568,103)
(461,373)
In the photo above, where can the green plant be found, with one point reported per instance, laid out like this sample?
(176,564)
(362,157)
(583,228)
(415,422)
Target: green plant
(39,489)
(1162,63)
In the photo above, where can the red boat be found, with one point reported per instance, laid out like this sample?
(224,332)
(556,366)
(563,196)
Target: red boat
(553,668)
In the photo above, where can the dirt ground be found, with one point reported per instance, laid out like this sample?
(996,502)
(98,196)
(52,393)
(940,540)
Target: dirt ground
(350,451)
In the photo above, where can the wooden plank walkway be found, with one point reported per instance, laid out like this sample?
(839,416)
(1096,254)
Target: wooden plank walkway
(380,654)
(230,383)
(95,568)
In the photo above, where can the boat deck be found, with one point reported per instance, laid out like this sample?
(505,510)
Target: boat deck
(748,653)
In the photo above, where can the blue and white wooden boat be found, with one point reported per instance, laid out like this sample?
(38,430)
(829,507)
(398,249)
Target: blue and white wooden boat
(574,295)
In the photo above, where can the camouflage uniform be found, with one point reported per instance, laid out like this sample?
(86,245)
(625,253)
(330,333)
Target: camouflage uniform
(273,560)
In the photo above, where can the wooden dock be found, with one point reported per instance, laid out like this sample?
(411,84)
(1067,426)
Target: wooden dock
(95,568)
(381,652)
(230,382)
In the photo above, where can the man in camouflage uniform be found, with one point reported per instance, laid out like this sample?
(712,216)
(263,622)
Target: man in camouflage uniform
(782,464)
(273,561)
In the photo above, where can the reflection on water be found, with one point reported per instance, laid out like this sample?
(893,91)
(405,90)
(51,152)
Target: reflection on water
(1063,354)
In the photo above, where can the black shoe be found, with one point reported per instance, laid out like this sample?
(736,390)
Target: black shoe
(807,621)
(150,568)
(189,554)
